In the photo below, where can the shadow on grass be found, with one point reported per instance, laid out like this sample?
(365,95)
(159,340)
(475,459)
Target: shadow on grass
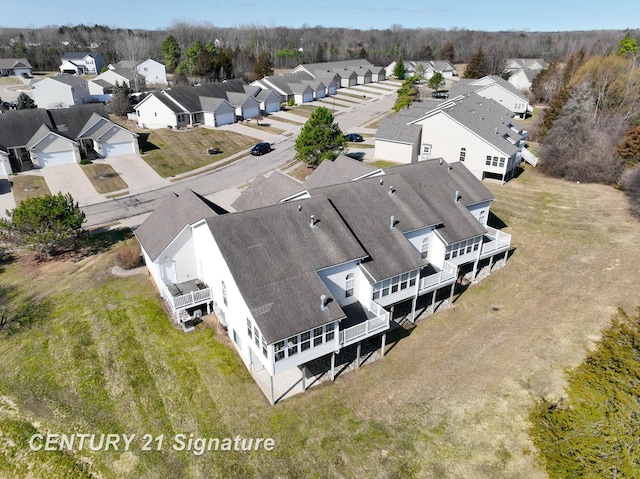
(18,313)
(145,144)
(101,240)
(495,222)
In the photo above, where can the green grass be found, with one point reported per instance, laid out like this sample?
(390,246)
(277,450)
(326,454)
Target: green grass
(303,110)
(383,163)
(94,353)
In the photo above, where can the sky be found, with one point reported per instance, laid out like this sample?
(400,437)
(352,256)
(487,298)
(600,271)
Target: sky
(487,15)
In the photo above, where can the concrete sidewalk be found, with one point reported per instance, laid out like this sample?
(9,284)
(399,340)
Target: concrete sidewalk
(69,179)
(136,173)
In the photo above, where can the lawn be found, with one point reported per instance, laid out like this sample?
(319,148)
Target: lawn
(28,186)
(303,110)
(103,177)
(171,152)
(449,400)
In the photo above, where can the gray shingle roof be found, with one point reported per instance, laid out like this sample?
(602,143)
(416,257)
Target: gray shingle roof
(396,128)
(341,170)
(71,121)
(18,126)
(10,63)
(267,190)
(437,184)
(367,207)
(274,255)
(170,217)
(67,79)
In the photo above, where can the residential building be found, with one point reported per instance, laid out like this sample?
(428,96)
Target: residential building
(318,271)
(154,72)
(15,67)
(81,63)
(60,91)
(494,88)
(428,68)
(522,71)
(475,131)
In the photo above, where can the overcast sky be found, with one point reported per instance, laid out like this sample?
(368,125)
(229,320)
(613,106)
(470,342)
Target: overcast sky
(488,15)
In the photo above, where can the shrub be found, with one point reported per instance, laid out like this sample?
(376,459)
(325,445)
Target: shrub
(129,257)
(631,186)
(85,161)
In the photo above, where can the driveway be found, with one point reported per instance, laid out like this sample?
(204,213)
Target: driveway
(136,173)
(69,179)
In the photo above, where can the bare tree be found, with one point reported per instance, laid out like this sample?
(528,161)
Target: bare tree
(135,48)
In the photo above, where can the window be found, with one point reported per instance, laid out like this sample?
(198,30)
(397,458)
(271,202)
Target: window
(317,337)
(256,336)
(236,338)
(488,160)
(394,284)
(495,161)
(278,348)
(404,280)
(426,149)
(385,287)
(424,249)
(292,346)
(349,284)
(482,217)
(502,162)
(463,154)
(224,294)
(305,341)
(329,328)
(264,347)
(249,328)
(412,278)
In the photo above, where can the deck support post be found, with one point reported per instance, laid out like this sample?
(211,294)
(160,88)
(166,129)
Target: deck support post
(413,308)
(333,366)
(304,378)
(358,350)
(384,343)
(272,399)
(475,270)
(453,289)
(491,263)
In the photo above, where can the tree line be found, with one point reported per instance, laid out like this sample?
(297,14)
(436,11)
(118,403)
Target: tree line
(288,47)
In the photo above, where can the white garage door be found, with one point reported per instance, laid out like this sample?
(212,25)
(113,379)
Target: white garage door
(225,118)
(272,107)
(113,149)
(251,112)
(56,158)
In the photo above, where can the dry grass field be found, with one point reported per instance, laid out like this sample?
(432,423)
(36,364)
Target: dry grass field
(449,400)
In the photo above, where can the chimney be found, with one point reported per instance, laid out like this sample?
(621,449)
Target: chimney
(323,302)
(392,222)
(457,197)
(313,221)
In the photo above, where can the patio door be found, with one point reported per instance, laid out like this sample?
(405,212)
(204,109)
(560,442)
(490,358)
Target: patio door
(168,271)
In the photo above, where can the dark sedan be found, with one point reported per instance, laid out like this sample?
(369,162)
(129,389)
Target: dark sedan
(354,137)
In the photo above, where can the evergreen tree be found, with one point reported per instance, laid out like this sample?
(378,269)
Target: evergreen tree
(25,102)
(436,81)
(320,138)
(121,100)
(447,52)
(263,66)
(477,67)
(398,70)
(45,223)
(171,53)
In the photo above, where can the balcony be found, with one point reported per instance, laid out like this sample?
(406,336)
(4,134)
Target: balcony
(186,294)
(494,242)
(437,279)
(362,321)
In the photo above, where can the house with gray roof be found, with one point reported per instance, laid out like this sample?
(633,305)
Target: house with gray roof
(475,131)
(15,67)
(81,63)
(211,104)
(37,138)
(60,91)
(351,72)
(520,72)
(299,278)
(123,76)
(428,68)
(494,88)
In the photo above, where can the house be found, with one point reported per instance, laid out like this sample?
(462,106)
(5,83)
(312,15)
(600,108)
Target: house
(522,71)
(81,63)
(15,67)
(60,91)
(300,280)
(428,67)
(100,90)
(267,190)
(153,72)
(494,88)
(123,76)
(211,104)
(37,138)
(350,72)
(340,170)
(478,132)
(290,87)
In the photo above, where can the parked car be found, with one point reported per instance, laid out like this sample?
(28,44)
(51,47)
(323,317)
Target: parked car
(261,148)
(26,75)
(440,95)
(353,137)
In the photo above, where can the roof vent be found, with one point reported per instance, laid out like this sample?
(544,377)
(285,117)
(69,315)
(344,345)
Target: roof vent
(299,207)
(450,168)
(391,190)
(457,197)
(496,130)
(313,221)
(440,160)
(392,222)
(323,302)
(381,182)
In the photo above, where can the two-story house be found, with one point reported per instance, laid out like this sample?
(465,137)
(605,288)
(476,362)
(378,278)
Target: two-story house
(470,129)
(315,272)
(61,91)
(493,87)
(81,63)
